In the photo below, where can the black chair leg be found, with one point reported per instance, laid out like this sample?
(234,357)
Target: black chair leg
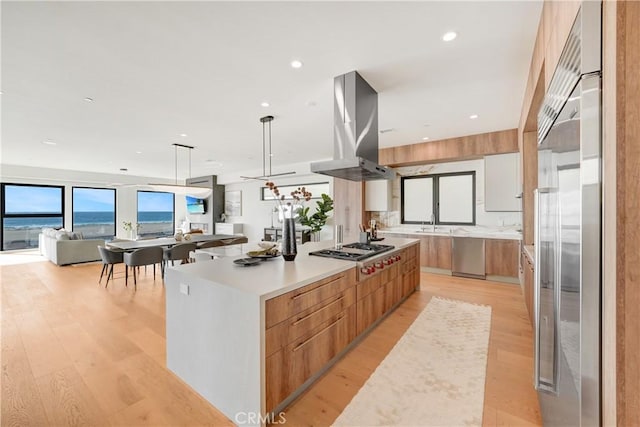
(109,276)
(104,266)
(135,282)
(126,275)
(154,272)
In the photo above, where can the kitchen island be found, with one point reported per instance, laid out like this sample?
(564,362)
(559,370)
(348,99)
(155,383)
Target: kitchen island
(249,339)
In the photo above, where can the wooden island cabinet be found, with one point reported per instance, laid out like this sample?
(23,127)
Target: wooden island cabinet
(308,327)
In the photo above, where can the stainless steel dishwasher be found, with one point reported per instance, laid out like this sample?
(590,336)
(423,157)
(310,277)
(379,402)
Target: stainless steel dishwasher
(467,257)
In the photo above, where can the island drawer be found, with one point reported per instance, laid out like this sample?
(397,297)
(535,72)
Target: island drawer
(291,366)
(293,328)
(292,303)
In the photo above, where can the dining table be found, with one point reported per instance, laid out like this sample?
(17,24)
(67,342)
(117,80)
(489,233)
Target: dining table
(223,239)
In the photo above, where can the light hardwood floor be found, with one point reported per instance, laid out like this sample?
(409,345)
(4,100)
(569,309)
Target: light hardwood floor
(76,353)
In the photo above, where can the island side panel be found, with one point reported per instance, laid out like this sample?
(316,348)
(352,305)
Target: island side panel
(214,343)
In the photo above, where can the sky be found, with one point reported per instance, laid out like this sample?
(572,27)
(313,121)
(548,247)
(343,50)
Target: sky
(155,202)
(93,200)
(35,199)
(28,199)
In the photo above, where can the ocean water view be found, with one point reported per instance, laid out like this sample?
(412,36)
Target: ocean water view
(22,233)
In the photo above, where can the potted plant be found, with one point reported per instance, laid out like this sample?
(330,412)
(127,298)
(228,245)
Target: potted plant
(319,218)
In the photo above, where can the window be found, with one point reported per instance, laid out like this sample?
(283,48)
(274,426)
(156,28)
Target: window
(156,212)
(449,198)
(26,210)
(94,212)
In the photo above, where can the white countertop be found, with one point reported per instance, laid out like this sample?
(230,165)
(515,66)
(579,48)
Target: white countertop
(479,231)
(276,276)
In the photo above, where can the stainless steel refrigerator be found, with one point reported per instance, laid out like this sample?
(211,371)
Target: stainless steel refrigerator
(567,294)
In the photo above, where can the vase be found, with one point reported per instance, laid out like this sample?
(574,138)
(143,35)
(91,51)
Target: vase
(289,248)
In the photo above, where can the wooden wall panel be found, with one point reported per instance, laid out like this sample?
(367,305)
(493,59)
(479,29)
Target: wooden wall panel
(348,197)
(628,212)
(464,147)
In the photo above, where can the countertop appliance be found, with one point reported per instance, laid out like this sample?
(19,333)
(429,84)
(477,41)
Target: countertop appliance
(568,238)
(467,257)
(353,251)
(355,132)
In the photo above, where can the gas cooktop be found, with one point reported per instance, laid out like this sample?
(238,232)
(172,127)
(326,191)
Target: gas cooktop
(353,251)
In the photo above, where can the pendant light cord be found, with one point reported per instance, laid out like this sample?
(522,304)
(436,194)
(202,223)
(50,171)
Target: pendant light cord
(264,160)
(270,152)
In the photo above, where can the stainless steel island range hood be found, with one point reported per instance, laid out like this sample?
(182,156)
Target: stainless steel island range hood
(355,132)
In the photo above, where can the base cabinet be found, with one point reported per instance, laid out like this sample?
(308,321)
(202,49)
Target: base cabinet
(501,257)
(306,328)
(435,252)
(291,366)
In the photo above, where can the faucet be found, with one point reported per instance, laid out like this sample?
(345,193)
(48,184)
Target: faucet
(433,221)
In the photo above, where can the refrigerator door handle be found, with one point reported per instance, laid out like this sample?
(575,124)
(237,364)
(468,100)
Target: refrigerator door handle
(546,385)
(536,289)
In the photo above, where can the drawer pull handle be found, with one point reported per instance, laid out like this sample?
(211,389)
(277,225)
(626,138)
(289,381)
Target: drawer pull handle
(317,311)
(315,289)
(308,340)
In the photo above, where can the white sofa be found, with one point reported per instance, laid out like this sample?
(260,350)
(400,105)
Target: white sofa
(64,247)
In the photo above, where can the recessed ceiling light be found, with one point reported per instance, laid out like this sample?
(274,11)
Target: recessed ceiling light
(264,104)
(138,152)
(311,103)
(88,99)
(448,36)
(473,116)
(1,92)
(48,142)
(296,63)
(426,138)
(184,135)
(213,163)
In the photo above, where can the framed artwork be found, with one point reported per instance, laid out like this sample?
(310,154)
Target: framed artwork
(233,203)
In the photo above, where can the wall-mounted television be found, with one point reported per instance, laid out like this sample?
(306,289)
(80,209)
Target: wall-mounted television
(196,205)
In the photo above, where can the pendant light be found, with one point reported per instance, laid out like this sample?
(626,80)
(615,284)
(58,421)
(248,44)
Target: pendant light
(266,129)
(176,188)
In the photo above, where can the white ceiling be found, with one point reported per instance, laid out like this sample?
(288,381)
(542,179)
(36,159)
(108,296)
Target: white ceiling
(159,69)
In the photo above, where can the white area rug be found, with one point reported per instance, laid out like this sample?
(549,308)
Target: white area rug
(433,376)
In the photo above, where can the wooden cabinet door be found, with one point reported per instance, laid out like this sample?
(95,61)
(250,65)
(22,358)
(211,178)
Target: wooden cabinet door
(435,252)
(293,328)
(501,257)
(284,306)
(369,309)
(289,368)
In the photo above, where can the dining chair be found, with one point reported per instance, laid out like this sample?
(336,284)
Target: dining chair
(177,253)
(143,256)
(110,257)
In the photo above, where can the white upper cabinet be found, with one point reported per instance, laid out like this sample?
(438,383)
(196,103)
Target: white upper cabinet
(501,183)
(378,195)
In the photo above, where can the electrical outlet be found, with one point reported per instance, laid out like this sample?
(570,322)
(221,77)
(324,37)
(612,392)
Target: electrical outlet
(184,288)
